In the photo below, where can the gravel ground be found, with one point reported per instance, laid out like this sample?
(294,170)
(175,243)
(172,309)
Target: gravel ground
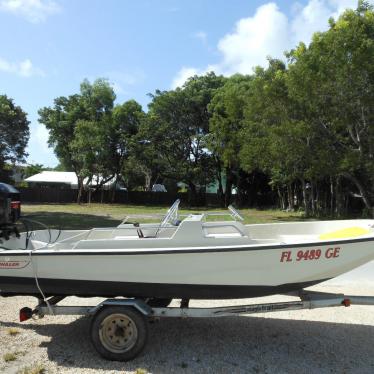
(334,340)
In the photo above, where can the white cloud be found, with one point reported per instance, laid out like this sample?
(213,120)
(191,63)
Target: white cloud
(34,11)
(201,35)
(129,78)
(340,6)
(269,32)
(24,68)
(253,39)
(41,134)
(118,89)
(183,75)
(313,17)
(122,79)
(38,149)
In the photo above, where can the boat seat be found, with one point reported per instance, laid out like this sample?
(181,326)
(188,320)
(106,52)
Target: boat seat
(349,232)
(118,233)
(165,232)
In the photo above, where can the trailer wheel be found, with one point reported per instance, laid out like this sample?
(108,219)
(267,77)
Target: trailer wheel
(119,333)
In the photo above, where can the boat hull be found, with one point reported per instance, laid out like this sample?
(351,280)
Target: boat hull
(18,286)
(201,273)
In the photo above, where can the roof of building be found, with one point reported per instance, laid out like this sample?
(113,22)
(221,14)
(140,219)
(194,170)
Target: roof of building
(66,177)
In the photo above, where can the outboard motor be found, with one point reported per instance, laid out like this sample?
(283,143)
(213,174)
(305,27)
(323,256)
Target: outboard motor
(10,210)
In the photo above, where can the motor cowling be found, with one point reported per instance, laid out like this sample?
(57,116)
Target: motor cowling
(10,210)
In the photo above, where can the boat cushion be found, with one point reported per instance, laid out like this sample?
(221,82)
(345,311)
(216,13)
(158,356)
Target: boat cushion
(349,232)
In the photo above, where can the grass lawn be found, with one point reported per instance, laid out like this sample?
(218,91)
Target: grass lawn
(73,216)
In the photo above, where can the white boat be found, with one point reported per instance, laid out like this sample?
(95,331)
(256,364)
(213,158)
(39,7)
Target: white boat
(188,259)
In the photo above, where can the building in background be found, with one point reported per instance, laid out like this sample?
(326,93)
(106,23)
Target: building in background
(63,179)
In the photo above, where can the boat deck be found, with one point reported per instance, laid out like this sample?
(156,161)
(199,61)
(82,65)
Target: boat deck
(194,232)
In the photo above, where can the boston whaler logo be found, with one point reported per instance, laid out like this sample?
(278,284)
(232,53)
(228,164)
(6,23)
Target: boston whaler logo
(7,263)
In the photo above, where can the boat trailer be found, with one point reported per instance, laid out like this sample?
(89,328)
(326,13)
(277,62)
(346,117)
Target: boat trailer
(119,329)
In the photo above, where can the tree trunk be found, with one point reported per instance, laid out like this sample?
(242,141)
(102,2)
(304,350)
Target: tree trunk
(291,205)
(317,201)
(332,196)
(221,195)
(305,197)
(80,189)
(113,189)
(113,194)
(312,200)
(281,199)
(228,187)
(363,192)
(193,194)
(239,190)
(148,178)
(338,197)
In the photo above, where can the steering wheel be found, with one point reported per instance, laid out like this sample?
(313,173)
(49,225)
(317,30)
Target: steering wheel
(172,214)
(235,213)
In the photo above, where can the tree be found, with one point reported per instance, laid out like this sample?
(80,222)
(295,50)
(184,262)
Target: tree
(266,111)
(225,125)
(32,169)
(61,120)
(75,125)
(14,134)
(278,138)
(178,125)
(333,79)
(127,120)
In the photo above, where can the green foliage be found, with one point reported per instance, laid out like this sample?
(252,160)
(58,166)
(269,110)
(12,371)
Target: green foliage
(178,128)
(60,120)
(127,121)
(91,135)
(141,371)
(32,369)
(307,126)
(9,356)
(98,98)
(92,106)
(12,331)
(62,167)
(333,80)
(227,109)
(14,134)
(32,169)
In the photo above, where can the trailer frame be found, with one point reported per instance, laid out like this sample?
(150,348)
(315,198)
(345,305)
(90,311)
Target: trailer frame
(137,311)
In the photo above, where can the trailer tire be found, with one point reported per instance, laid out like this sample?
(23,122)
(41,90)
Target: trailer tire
(119,333)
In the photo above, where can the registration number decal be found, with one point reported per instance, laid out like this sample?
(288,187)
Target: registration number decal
(310,254)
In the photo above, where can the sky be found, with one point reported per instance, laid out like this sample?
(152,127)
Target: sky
(49,46)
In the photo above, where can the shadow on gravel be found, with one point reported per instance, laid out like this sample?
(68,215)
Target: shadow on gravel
(226,345)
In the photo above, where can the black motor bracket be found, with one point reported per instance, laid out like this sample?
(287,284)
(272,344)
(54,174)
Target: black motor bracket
(6,231)
(10,211)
